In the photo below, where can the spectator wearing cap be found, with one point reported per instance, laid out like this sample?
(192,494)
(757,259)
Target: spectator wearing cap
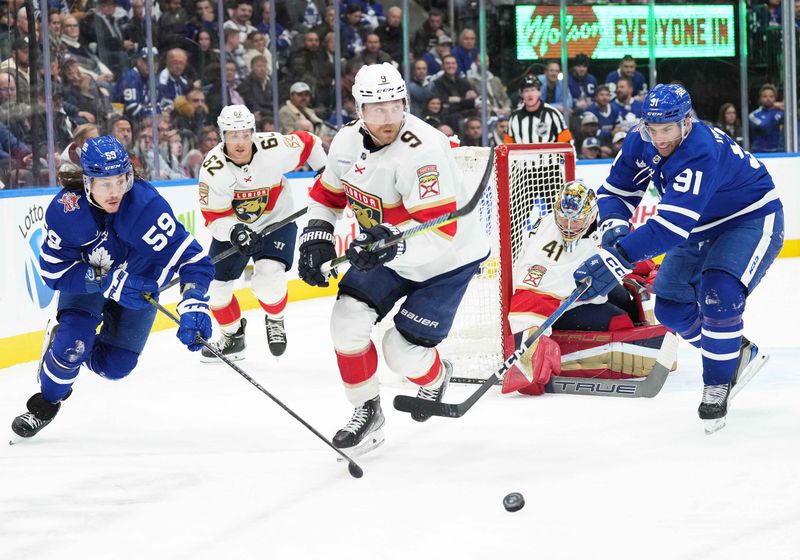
(590,148)
(72,47)
(627,69)
(588,128)
(103,28)
(133,89)
(466,52)
(172,80)
(427,36)
(297,108)
(457,93)
(553,86)
(353,31)
(536,121)
(435,56)
(607,114)
(18,67)
(616,142)
(582,84)
(391,33)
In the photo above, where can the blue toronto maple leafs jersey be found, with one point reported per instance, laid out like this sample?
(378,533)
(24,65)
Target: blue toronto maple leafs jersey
(143,236)
(707,185)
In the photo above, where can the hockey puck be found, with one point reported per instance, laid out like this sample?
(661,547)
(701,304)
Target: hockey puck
(355,470)
(513,502)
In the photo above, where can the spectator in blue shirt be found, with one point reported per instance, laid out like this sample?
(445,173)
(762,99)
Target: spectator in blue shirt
(629,108)
(627,69)
(553,88)
(433,58)
(766,122)
(466,52)
(171,81)
(582,84)
(133,89)
(607,114)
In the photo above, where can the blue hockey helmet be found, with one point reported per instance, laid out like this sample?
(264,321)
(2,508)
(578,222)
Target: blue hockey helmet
(666,103)
(104,156)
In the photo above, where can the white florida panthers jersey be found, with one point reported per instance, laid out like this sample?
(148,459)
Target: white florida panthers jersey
(411,180)
(253,193)
(543,274)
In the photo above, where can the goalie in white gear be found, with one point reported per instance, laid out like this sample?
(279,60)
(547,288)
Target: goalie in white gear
(394,171)
(242,191)
(561,242)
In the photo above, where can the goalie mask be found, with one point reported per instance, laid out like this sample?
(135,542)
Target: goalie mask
(575,212)
(104,159)
(374,86)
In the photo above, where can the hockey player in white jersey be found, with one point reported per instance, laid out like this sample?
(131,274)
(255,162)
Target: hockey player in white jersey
(542,276)
(242,191)
(394,171)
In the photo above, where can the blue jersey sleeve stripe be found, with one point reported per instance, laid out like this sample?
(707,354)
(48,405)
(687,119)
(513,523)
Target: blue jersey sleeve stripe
(770,196)
(670,226)
(167,270)
(621,192)
(48,258)
(613,199)
(678,210)
(55,275)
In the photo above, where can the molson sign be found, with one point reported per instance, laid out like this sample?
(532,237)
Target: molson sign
(611,32)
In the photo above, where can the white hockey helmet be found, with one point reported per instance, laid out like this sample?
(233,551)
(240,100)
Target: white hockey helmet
(376,83)
(575,212)
(236,117)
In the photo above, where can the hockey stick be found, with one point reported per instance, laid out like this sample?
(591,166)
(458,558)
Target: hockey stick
(355,470)
(263,233)
(418,229)
(404,403)
(647,387)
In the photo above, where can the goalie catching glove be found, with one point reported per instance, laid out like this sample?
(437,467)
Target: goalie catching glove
(364,259)
(195,318)
(246,241)
(317,246)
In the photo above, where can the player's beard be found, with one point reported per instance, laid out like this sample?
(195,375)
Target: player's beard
(384,134)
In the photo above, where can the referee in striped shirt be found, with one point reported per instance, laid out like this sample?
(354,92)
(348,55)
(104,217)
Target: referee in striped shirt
(536,121)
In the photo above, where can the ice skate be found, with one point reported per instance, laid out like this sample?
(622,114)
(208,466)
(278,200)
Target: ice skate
(434,394)
(276,336)
(40,413)
(363,432)
(232,346)
(751,360)
(714,407)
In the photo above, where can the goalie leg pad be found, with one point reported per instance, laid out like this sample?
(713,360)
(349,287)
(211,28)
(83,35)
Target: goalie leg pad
(269,286)
(420,364)
(540,362)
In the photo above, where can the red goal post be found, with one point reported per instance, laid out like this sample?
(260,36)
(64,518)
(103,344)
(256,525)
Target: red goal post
(526,179)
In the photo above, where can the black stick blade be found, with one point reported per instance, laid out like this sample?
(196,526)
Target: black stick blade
(404,403)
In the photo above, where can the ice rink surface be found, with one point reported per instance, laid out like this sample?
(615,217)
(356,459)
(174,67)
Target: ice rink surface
(184,460)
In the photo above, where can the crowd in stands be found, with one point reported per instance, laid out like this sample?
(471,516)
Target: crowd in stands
(100,71)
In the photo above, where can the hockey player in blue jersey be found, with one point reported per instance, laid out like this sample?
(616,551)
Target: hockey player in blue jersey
(720,222)
(110,237)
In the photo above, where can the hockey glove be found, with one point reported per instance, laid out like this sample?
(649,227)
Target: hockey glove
(126,289)
(363,259)
(317,246)
(613,230)
(606,268)
(246,241)
(195,319)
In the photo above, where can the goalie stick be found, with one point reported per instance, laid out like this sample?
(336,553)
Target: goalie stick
(647,387)
(233,250)
(404,403)
(353,467)
(440,221)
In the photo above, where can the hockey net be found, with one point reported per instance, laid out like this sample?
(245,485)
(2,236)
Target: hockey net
(526,180)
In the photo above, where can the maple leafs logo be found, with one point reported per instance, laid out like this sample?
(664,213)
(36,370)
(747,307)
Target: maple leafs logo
(100,258)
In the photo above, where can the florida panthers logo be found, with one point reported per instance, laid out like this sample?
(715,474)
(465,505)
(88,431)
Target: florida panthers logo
(70,201)
(250,205)
(534,275)
(428,177)
(367,208)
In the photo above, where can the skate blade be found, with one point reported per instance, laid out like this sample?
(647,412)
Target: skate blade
(375,439)
(749,372)
(235,357)
(713,426)
(15,439)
